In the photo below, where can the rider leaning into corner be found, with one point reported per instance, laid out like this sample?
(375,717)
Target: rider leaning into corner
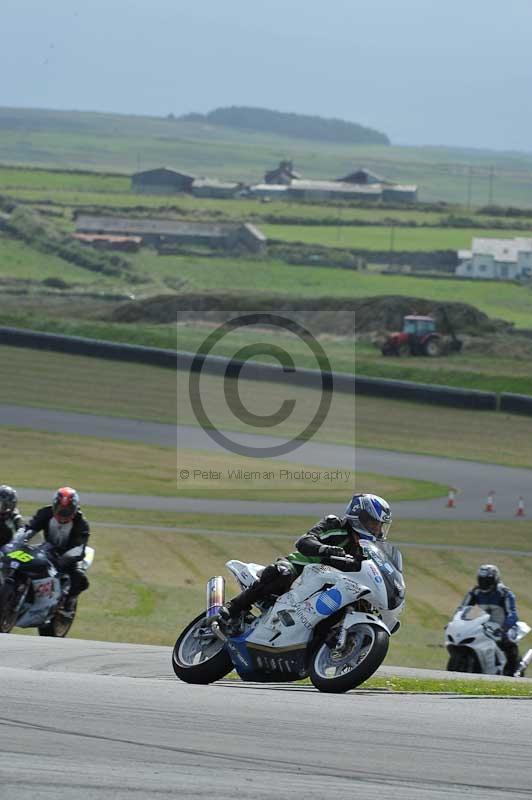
(65,528)
(492,596)
(367,517)
(10,520)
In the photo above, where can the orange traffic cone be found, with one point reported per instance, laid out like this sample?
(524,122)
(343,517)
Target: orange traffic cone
(451,498)
(490,505)
(520,508)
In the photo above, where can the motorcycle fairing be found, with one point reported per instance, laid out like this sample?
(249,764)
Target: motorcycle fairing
(43,603)
(275,647)
(255,662)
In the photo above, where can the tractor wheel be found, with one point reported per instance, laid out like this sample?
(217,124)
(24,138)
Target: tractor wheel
(432,347)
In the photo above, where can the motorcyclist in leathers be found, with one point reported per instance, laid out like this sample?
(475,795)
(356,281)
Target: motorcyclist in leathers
(10,519)
(367,516)
(492,596)
(65,528)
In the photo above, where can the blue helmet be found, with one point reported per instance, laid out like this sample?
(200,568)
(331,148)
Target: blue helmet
(370,516)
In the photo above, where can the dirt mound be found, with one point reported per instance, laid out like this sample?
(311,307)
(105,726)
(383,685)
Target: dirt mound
(325,314)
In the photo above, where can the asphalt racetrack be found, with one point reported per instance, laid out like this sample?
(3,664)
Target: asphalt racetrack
(474,480)
(96,720)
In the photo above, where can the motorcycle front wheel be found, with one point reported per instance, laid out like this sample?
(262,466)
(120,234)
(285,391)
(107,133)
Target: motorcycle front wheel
(60,623)
(199,656)
(8,613)
(11,598)
(462,660)
(338,671)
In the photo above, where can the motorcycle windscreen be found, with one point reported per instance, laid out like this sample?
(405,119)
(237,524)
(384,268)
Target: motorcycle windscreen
(392,577)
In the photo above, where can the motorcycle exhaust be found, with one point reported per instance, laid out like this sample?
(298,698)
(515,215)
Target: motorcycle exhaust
(215,595)
(523,664)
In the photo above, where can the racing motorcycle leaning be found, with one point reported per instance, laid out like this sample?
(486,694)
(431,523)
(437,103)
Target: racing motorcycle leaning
(472,641)
(333,626)
(32,591)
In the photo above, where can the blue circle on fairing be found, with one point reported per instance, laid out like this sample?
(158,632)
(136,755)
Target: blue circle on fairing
(328,602)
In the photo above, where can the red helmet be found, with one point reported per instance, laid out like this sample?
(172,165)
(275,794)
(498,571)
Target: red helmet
(65,504)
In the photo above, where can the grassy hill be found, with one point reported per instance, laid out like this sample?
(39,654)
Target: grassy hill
(121,143)
(300,126)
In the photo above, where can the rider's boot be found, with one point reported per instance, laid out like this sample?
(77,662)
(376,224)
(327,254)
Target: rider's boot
(242,602)
(69,606)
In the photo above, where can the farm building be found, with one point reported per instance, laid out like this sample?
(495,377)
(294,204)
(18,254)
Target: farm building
(159,232)
(332,190)
(282,175)
(391,192)
(161,181)
(205,187)
(397,193)
(109,242)
(364,177)
(265,190)
(497,259)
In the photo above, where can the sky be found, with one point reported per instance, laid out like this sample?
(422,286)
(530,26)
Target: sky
(451,72)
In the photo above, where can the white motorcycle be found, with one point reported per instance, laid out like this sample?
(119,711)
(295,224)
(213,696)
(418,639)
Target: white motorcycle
(332,625)
(473,643)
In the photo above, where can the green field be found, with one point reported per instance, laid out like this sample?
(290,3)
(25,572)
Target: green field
(120,143)
(383,238)
(195,274)
(63,191)
(19,262)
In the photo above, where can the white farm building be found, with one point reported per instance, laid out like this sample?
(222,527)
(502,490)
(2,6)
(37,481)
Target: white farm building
(496,259)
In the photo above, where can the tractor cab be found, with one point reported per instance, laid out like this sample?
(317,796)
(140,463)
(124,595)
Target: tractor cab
(419,326)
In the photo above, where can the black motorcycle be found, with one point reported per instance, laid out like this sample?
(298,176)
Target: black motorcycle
(33,592)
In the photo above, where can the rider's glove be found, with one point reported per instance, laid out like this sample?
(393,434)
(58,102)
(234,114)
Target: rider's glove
(65,562)
(326,551)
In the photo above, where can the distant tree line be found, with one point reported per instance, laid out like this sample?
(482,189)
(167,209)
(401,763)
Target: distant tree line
(300,126)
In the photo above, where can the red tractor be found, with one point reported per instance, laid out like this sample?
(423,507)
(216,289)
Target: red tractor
(419,337)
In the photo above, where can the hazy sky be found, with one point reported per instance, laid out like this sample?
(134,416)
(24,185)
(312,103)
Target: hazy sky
(453,72)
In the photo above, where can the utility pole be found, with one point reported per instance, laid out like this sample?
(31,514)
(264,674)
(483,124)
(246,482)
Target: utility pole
(490,191)
(469,186)
(392,244)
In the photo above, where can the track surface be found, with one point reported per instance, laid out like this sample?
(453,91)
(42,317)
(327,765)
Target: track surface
(67,731)
(473,479)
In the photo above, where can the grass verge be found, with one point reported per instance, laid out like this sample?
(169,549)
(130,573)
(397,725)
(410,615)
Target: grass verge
(103,465)
(438,686)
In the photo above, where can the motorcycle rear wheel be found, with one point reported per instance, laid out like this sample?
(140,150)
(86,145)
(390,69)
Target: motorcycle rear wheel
(365,650)
(59,625)
(198,657)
